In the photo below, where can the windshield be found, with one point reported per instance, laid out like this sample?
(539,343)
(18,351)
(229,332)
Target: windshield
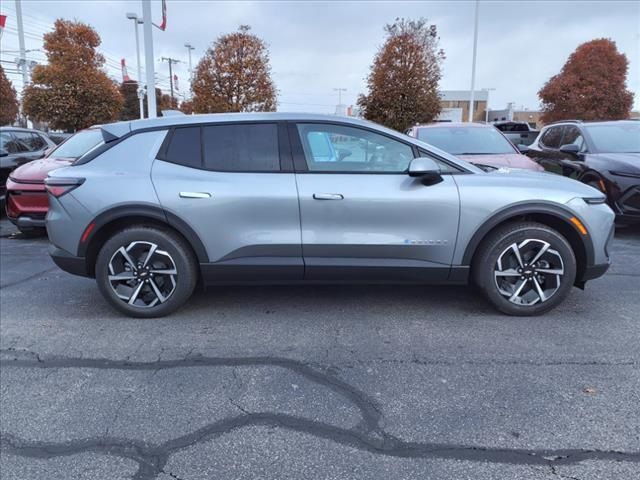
(615,137)
(79,144)
(466,140)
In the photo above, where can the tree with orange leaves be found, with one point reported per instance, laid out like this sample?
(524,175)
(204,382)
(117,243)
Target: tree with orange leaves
(590,86)
(8,100)
(71,92)
(403,82)
(234,76)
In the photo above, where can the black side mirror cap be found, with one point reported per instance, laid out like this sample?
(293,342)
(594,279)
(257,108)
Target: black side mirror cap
(571,149)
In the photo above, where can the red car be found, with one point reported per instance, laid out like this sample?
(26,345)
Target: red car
(478,143)
(27,202)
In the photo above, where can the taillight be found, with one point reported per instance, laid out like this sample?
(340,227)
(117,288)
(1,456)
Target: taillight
(58,186)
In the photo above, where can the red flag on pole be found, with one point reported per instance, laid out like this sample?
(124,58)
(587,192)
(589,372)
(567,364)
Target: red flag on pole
(3,22)
(125,75)
(163,25)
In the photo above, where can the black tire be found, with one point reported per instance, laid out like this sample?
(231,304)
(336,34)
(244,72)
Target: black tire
(496,246)
(179,258)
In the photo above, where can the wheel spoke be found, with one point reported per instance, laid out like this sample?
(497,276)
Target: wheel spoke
(127,257)
(156,290)
(516,293)
(122,276)
(509,272)
(516,251)
(551,271)
(134,295)
(152,250)
(171,271)
(541,252)
(539,290)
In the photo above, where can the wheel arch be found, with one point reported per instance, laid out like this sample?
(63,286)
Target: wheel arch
(107,223)
(553,216)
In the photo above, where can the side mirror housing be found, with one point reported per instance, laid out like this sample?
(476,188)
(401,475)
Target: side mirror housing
(523,148)
(425,168)
(570,149)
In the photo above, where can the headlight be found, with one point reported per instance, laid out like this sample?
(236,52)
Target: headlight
(625,174)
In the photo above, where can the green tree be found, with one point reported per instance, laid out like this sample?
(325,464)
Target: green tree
(403,82)
(590,86)
(234,76)
(71,91)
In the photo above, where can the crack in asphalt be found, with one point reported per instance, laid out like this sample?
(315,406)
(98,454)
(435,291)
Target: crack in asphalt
(368,435)
(27,279)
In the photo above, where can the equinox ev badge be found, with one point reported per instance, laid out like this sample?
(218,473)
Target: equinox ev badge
(408,241)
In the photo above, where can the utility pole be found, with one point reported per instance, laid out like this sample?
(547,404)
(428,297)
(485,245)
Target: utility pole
(22,62)
(171,61)
(473,64)
(136,20)
(148,54)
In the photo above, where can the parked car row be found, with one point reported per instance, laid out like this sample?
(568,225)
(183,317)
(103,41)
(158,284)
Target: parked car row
(604,155)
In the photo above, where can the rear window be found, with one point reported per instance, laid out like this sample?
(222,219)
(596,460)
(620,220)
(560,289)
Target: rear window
(79,144)
(241,147)
(185,147)
(466,140)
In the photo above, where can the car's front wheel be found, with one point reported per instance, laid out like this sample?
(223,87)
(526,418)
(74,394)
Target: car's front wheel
(525,268)
(146,271)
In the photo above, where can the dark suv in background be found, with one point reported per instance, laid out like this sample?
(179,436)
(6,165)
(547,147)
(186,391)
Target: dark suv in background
(605,155)
(19,146)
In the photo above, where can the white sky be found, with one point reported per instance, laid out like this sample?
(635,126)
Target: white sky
(316,46)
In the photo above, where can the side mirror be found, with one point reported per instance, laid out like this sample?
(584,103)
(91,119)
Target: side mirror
(426,169)
(570,149)
(523,148)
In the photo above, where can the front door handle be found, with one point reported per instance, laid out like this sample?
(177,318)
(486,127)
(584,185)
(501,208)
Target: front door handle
(195,195)
(327,196)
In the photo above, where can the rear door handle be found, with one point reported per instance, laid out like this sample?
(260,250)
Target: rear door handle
(195,195)
(327,196)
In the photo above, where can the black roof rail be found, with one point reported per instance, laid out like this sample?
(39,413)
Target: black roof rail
(565,121)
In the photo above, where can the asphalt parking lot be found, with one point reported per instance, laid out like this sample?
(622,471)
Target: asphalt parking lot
(316,382)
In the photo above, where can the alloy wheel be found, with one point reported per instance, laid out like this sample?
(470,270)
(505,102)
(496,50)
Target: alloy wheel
(142,275)
(529,272)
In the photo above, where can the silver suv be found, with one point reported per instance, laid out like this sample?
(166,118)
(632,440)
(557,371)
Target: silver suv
(262,198)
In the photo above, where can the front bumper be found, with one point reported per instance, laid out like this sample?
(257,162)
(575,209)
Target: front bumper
(68,262)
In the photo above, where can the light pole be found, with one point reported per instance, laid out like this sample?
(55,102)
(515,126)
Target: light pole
(486,109)
(148,59)
(136,21)
(473,63)
(189,48)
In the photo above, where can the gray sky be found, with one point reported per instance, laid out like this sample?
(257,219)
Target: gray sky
(316,46)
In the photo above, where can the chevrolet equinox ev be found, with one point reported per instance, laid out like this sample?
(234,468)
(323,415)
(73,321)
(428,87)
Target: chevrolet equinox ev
(255,198)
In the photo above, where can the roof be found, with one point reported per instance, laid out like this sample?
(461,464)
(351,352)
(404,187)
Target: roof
(20,129)
(454,125)
(119,129)
(463,95)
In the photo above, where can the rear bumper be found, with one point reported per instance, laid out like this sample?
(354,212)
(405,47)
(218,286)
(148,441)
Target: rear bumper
(26,199)
(68,262)
(27,221)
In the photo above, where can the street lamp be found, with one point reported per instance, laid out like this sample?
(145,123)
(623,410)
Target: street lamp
(189,48)
(136,20)
(486,110)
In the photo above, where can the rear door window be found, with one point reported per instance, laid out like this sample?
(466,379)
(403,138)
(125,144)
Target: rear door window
(241,147)
(552,137)
(185,147)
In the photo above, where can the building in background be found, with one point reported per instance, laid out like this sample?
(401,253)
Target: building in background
(455,105)
(511,114)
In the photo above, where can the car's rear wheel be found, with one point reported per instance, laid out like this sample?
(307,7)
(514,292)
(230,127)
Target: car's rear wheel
(146,271)
(525,268)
